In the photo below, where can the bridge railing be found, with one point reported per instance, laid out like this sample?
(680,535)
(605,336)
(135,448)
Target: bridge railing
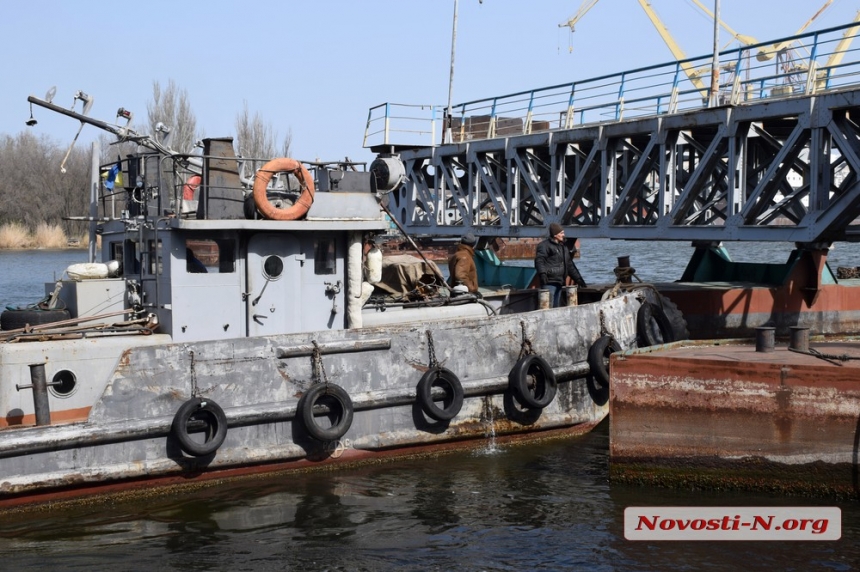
(813,62)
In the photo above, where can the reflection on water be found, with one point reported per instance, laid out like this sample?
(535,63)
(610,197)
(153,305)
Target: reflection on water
(538,506)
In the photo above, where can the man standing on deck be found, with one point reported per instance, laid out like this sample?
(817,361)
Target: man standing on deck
(461,265)
(554,264)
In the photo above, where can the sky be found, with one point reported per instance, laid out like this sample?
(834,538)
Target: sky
(314,68)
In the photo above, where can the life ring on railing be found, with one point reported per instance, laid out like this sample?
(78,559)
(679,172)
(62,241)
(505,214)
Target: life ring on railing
(202,410)
(340,411)
(533,382)
(190,187)
(598,356)
(261,181)
(653,326)
(453,402)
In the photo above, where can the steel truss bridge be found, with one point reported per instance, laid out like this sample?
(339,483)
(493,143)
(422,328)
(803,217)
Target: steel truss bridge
(778,160)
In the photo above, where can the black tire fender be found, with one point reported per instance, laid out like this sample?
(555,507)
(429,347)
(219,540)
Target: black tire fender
(453,402)
(598,358)
(205,410)
(16,319)
(533,382)
(340,411)
(653,326)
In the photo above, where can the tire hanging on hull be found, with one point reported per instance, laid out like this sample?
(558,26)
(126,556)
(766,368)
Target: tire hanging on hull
(340,411)
(533,382)
(653,326)
(197,410)
(440,376)
(598,358)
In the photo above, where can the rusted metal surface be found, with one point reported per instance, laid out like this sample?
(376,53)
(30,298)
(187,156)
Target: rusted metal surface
(729,416)
(725,310)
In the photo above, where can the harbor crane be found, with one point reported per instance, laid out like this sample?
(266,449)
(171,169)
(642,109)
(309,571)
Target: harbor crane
(782,51)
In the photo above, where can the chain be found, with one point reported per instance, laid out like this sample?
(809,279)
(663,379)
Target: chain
(526,345)
(603,329)
(319,370)
(195,391)
(433,362)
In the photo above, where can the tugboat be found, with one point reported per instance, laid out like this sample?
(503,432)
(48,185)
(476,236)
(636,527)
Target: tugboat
(233,324)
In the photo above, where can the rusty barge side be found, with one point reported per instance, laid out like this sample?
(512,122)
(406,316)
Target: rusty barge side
(722,415)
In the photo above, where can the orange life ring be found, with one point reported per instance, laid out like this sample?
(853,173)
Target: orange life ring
(191,186)
(261,181)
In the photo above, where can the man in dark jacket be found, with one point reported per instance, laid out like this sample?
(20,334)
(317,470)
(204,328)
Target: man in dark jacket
(554,264)
(461,265)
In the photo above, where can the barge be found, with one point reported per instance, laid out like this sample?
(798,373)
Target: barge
(773,416)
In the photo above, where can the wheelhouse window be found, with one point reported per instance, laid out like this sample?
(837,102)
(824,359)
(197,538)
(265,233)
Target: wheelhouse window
(210,255)
(325,260)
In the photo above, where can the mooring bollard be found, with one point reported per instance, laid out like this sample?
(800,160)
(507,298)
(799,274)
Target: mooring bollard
(799,338)
(544,301)
(621,272)
(764,336)
(571,296)
(39,385)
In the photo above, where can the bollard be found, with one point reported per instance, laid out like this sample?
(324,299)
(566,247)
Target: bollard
(544,301)
(764,336)
(623,270)
(571,296)
(799,338)
(39,385)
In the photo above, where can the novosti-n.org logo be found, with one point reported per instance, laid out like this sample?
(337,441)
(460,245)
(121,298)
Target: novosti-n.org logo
(732,523)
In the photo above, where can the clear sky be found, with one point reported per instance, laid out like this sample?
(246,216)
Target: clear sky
(316,67)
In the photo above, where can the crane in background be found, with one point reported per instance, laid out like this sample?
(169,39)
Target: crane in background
(786,59)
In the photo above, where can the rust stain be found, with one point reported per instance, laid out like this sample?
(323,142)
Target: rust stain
(782,417)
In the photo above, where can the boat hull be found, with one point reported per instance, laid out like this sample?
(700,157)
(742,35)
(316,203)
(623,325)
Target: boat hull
(130,435)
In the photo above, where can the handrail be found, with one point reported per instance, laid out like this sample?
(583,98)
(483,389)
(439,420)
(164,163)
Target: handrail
(647,91)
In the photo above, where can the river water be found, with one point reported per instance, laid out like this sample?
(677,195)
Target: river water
(539,506)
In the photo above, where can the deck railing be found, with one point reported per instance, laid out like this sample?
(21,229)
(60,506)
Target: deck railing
(814,62)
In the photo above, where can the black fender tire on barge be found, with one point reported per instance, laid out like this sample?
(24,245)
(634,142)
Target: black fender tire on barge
(653,326)
(207,411)
(598,358)
(533,382)
(339,406)
(445,378)
(16,319)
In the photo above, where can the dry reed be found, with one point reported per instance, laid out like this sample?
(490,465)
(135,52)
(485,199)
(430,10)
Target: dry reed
(49,236)
(14,235)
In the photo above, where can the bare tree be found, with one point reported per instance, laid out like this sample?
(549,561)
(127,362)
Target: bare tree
(170,108)
(288,142)
(256,140)
(32,188)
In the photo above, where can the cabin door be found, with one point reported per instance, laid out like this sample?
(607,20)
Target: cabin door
(274,302)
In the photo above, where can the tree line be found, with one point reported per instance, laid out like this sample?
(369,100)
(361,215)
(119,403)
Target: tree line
(34,192)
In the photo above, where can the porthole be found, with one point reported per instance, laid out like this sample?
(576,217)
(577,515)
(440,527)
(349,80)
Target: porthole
(66,383)
(273,267)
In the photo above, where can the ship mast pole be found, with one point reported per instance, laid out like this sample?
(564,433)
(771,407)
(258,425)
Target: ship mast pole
(446,137)
(715,65)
